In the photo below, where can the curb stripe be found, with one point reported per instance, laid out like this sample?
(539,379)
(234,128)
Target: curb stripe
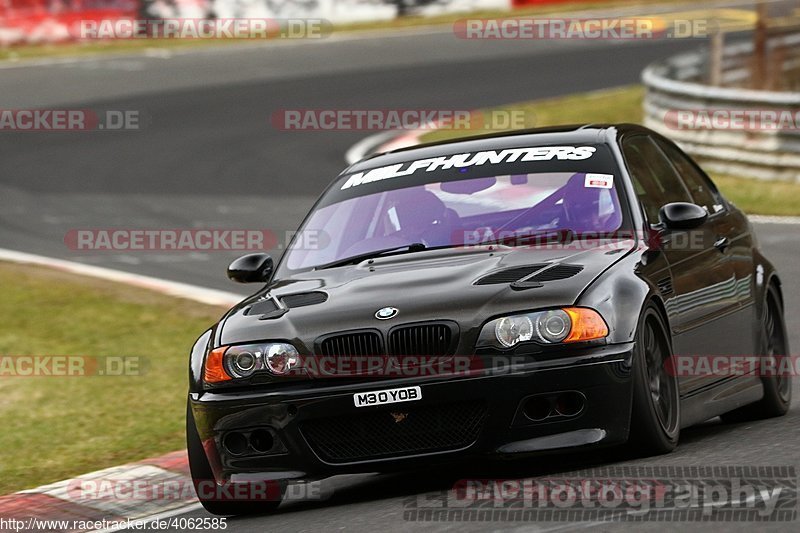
(55,503)
(44,508)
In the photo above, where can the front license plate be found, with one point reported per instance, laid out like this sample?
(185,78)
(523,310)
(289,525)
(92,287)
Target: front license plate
(382,397)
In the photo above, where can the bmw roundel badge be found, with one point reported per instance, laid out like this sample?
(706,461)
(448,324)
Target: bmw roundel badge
(386,313)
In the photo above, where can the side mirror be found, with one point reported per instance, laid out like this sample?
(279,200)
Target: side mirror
(251,268)
(682,215)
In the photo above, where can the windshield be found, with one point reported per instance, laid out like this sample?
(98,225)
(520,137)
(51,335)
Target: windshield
(448,209)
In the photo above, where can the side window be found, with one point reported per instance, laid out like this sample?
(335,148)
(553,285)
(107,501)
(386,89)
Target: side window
(700,187)
(654,178)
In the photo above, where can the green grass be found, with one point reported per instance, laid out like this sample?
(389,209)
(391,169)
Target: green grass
(761,197)
(57,427)
(449,18)
(624,104)
(25,51)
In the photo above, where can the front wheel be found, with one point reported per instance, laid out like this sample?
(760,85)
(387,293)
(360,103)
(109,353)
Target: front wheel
(774,346)
(655,417)
(215,499)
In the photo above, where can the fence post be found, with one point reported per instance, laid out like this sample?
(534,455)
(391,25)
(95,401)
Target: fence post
(715,58)
(760,48)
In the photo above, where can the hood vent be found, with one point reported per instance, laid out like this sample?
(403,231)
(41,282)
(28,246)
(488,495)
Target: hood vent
(263,307)
(303,299)
(270,307)
(549,272)
(509,275)
(557,272)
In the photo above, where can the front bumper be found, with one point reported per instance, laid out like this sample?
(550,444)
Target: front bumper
(602,377)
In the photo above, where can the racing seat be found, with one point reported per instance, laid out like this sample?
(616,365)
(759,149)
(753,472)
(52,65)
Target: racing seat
(589,209)
(424,217)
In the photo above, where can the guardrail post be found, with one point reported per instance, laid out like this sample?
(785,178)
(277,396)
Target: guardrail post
(760,48)
(715,58)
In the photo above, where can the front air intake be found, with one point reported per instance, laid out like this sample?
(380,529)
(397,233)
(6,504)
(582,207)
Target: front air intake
(396,431)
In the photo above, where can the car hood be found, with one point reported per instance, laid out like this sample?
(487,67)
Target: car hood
(422,286)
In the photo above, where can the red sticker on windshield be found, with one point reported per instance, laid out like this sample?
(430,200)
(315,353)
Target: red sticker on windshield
(599,181)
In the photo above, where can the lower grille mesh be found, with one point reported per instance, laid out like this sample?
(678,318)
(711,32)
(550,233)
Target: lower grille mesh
(395,431)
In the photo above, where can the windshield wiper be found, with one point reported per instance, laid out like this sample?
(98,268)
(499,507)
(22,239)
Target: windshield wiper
(409,248)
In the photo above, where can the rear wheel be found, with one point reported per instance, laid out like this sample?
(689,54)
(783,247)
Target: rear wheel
(655,417)
(774,346)
(204,484)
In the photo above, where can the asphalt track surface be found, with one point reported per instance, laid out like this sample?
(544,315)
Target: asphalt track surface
(209,157)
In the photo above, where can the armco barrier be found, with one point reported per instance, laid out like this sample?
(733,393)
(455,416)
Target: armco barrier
(677,85)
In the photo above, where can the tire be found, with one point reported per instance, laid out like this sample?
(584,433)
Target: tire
(655,416)
(773,344)
(202,474)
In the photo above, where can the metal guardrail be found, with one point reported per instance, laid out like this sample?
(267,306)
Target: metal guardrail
(682,83)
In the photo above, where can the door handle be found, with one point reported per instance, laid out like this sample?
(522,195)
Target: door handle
(722,244)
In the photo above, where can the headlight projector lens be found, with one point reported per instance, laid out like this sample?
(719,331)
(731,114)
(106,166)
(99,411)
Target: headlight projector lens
(553,326)
(512,330)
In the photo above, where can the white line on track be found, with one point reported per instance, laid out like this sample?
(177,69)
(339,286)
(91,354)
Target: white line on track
(171,288)
(766,219)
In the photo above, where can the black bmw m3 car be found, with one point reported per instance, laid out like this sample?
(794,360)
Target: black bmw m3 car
(493,297)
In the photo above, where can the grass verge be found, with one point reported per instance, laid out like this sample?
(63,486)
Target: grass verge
(58,427)
(624,104)
(759,197)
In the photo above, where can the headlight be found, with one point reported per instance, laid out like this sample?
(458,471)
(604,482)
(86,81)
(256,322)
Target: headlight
(281,358)
(228,363)
(553,326)
(242,361)
(568,325)
(511,330)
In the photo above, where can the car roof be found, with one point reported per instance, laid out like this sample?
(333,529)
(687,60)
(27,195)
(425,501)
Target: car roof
(553,135)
